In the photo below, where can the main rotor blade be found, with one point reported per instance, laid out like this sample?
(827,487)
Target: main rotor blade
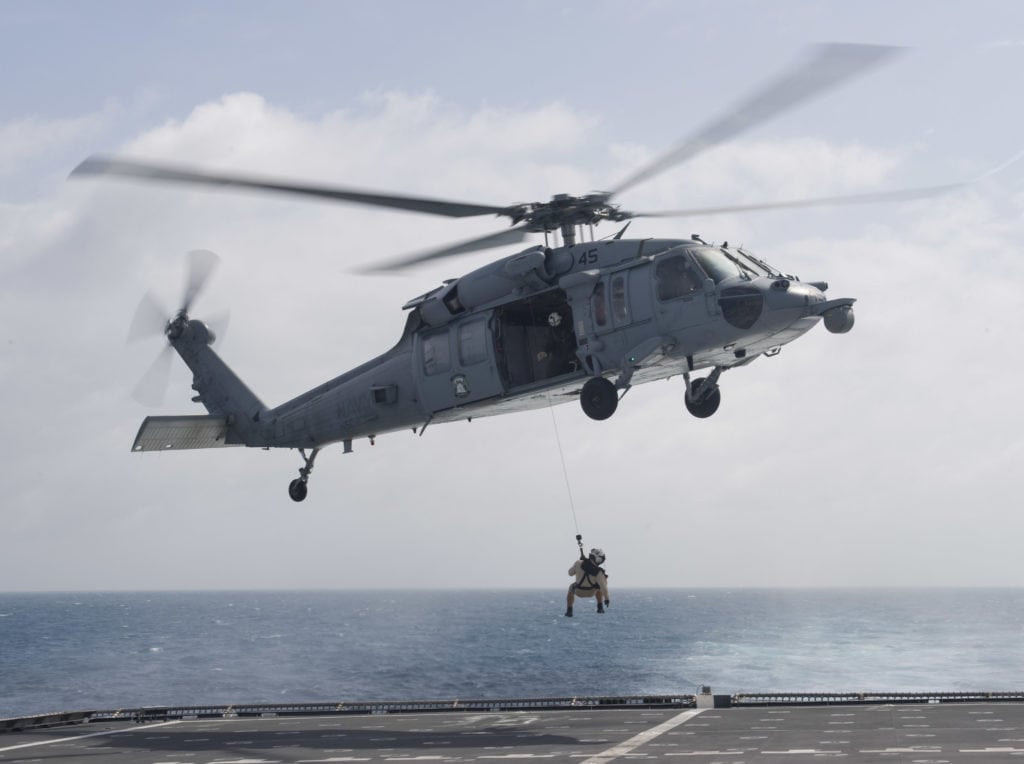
(902,195)
(508,236)
(100,165)
(201,264)
(827,67)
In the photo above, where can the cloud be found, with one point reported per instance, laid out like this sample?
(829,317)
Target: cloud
(35,151)
(745,171)
(389,138)
(25,140)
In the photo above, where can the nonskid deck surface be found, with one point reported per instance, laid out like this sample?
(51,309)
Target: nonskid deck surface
(905,732)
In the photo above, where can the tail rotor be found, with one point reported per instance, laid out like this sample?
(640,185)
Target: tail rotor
(151,318)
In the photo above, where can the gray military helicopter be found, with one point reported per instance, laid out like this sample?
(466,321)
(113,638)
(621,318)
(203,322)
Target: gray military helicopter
(586,319)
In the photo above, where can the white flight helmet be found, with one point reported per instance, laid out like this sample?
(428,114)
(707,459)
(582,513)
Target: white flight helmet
(597,555)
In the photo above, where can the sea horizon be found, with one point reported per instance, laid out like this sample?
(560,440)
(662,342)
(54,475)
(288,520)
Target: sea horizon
(456,589)
(75,650)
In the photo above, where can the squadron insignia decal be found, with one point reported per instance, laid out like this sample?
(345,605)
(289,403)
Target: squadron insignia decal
(459,386)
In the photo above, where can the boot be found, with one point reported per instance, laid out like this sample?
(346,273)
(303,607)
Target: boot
(568,611)
(600,607)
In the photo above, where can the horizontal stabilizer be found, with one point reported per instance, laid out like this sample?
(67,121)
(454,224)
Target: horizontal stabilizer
(176,433)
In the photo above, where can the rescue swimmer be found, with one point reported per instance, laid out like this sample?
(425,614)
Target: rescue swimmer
(591,581)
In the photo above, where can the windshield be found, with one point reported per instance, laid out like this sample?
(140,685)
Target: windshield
(762,268)
(716,264)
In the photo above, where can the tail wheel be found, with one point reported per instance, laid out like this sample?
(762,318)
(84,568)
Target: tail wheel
(698,403)
(599,398)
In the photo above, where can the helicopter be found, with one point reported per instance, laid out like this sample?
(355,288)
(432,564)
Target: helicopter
(572,319)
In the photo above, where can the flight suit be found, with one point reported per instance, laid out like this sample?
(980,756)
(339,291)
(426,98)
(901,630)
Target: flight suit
(588,583)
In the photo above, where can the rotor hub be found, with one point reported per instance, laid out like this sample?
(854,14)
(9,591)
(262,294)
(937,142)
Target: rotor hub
(566,210)
(176,325)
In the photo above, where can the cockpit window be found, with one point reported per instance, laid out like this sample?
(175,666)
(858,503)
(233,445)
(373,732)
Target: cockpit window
(676,277)
(716,264)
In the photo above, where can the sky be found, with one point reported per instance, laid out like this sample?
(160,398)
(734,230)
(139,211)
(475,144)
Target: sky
(889,456)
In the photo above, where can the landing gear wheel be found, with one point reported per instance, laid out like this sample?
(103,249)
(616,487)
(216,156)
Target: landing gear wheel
(297,489)
(702,406)
(599,398)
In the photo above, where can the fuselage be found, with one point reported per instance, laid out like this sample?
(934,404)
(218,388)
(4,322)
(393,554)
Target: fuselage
(528,330)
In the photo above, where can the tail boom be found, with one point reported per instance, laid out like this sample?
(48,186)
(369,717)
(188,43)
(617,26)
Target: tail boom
(235,413)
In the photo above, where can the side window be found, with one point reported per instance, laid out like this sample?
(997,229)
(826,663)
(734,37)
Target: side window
(598,305)
(675,278)
(620,308)
(436,354)
(473,343)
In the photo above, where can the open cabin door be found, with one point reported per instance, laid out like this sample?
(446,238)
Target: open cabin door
(535,341)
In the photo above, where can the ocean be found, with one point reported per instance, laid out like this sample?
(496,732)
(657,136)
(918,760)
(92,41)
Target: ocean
(117,650)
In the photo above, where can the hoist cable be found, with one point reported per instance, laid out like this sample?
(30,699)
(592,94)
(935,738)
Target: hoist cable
(565,472)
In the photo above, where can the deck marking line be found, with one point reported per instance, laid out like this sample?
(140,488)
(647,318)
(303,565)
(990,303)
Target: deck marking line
(706,753)
(910,749)
(643,737)
(91,734)
(798,751)
(992,750)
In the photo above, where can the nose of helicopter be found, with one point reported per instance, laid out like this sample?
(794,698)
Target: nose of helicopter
(784,294)
(772,304)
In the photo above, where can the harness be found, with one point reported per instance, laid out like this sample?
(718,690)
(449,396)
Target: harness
(590,569)
(589,582)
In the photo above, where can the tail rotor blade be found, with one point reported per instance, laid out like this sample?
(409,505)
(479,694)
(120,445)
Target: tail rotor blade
(150,319)
(152,388)
(218,325)
(201,265)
